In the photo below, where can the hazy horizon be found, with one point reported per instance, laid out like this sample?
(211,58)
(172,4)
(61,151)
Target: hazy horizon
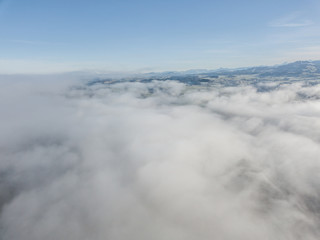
(88,74)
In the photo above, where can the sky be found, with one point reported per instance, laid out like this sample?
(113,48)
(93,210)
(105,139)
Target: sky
(39,36)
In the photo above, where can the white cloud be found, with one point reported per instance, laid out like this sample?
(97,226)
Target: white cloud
(293,24)
(291,20)
(158,160)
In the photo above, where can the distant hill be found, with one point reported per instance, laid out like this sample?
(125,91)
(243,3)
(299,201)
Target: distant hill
(294,69)
(299,70)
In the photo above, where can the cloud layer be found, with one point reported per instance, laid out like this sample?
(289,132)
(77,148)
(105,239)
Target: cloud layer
(159,160)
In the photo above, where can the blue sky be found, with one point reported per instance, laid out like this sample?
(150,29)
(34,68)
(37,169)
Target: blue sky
(42,36)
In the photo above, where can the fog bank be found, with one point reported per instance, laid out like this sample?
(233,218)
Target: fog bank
(159,160)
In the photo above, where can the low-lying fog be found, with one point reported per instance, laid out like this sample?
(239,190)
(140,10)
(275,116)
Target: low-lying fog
(159,160)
